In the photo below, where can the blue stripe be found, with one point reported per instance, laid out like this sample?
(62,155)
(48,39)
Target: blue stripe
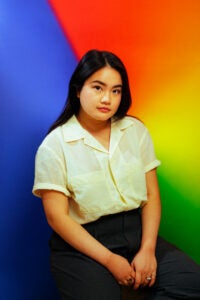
(36,62)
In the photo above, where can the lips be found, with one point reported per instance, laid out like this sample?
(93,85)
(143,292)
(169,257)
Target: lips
(104,109)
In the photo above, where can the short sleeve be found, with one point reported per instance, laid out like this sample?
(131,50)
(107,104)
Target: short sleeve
(147,152)
(50,171)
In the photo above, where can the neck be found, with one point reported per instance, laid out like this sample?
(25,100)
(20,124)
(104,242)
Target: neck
(93,125)
(100,130)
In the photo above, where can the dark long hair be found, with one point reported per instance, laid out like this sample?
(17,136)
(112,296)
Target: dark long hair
(91,62)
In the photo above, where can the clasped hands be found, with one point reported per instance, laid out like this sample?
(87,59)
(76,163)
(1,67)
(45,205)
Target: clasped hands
(140,273)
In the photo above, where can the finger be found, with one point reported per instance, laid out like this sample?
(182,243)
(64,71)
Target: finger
(137,280)
(127,282)
(153,279)
(132,275)
(149,280)
(144,281)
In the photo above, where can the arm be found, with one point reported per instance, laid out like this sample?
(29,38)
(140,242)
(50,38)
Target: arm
(56,208)
(144,263)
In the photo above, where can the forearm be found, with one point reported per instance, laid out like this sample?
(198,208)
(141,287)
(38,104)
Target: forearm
(74,234)
(81,240)
(56,207)
(144,262)
(151,214)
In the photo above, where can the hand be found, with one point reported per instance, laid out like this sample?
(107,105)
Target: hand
(120,269)
(144,265)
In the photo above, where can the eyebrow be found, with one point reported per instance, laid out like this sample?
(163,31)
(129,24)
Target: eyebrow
(102,83)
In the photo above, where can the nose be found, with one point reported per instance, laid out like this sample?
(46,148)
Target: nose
(105,97)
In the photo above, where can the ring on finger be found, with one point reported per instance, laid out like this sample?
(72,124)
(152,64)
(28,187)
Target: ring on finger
(148,278)
(130,280)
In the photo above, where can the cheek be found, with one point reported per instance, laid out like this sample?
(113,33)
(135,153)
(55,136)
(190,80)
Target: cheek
(86,94)
(86,98)
(117,102)
(116,105)
(83,96)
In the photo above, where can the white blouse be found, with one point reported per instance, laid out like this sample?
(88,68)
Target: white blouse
(96,181)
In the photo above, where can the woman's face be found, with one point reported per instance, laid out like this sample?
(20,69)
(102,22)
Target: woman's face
(100,95)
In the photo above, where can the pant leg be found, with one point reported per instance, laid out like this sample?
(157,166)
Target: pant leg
(78,277)
(178,276)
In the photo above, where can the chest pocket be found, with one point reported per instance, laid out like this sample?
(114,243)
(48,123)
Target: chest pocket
(86,176)
(130,178)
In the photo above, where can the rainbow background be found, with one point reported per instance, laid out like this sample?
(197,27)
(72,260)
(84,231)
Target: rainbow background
(40,44)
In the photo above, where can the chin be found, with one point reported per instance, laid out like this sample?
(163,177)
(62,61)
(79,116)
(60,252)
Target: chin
(103,118)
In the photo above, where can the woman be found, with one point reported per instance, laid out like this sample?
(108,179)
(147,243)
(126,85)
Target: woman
(96,175)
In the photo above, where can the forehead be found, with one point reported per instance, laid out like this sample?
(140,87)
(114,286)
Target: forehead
(106,75)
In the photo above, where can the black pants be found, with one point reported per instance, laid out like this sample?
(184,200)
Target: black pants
(78,277)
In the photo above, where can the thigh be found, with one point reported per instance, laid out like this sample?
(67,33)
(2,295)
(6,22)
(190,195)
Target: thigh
(178,276)
(80,278)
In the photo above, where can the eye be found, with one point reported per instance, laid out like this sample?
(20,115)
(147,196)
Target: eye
(117,91)
(97,88)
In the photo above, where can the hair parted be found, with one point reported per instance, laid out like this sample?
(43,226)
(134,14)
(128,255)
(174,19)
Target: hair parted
(91,62)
